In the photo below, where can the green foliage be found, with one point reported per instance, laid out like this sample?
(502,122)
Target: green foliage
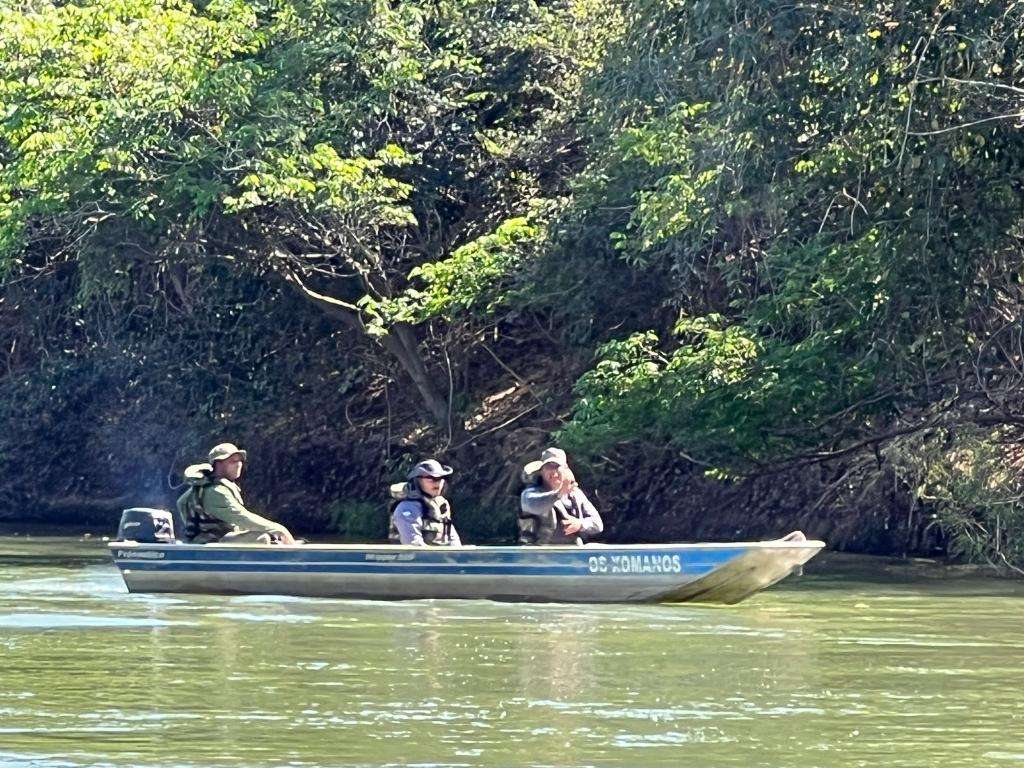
(110,108)
(323,180)
(972,484)
(473,279)
(358,521)
(680,202)
(171,174)
(828,196)
(787,170)
(304,138)
(727,396)
(483,524)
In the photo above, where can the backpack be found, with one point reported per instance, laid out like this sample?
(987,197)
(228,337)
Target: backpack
(398,492)
(193,523)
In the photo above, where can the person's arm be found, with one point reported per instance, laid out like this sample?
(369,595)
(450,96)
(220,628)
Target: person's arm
(219,502)
(537,501)
(591,524)
(409,523)
(456,541)
(181,520)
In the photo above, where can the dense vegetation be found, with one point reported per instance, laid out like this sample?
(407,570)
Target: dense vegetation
(766,256)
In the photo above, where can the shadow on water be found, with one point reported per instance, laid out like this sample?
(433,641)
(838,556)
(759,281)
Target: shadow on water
(57,551)
(838,571)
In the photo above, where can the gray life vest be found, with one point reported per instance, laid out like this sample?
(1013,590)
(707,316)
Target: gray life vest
(547,528)
(196,526)
(435,513)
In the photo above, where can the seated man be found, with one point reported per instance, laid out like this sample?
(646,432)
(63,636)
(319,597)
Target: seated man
(553,509)
(423,517)
(212,508)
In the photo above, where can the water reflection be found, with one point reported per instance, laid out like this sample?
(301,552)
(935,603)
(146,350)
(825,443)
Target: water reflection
(555,656)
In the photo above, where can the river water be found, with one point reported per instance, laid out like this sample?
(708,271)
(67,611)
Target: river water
(851,665)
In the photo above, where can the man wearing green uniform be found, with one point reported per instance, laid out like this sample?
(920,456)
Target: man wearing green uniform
(212,508)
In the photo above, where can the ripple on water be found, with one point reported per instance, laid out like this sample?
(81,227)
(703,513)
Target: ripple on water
(284,618)
(930,671)
(22,760)
(671,738)
(95,585)
(927,642)
(283,681)
(67,760)
(84,589)
(43,620)
(1014,757)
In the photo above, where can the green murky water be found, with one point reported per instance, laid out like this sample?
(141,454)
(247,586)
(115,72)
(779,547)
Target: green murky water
(847,666)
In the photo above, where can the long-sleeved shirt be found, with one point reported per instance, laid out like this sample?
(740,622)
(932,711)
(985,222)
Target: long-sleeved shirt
(551,509)
(408,519)
(223,500)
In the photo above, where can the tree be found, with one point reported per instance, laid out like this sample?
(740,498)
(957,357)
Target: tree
(334,145)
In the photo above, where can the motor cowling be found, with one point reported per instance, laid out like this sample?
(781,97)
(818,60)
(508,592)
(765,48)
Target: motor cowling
(146,526)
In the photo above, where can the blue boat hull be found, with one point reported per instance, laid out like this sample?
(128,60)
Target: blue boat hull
(720,573)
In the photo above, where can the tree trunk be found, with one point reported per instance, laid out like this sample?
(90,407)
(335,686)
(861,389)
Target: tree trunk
(401,342)
(403,345)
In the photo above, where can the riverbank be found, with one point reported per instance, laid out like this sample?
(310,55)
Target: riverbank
(656,502)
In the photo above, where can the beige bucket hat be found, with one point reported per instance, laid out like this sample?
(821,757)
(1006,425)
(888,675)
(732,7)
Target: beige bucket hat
(554,456)
(225,451)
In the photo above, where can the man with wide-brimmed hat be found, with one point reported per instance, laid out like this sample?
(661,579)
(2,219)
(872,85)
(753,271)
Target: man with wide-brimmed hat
(423,516)
(212,508)
(553,509)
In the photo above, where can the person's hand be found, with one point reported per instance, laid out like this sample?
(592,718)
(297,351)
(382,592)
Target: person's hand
(571,526)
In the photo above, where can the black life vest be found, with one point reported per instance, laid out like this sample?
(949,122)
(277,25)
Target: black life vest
(196,526)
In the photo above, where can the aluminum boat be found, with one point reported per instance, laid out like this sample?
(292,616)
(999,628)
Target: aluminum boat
(596,573)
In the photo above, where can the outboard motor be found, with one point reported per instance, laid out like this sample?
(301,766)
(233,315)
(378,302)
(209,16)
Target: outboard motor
(146,526)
